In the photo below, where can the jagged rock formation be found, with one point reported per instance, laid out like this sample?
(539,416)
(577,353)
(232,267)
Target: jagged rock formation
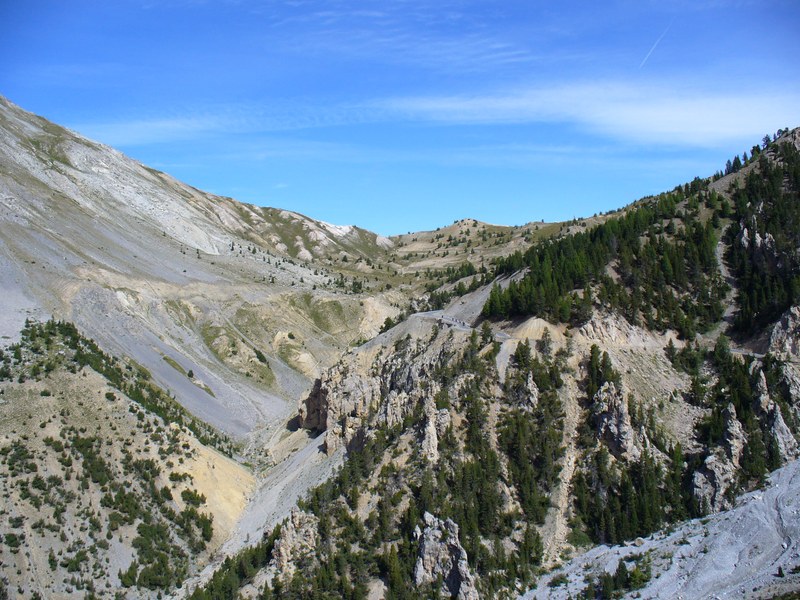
(791,378)
(436,422)
(527,395)
(338,404)
(770,412)
(613,422)
(350,394)
(720,470)
(313,411)
(762,245)
(784,343)
(296,544)
(442,555)
(764,250)
(612,329)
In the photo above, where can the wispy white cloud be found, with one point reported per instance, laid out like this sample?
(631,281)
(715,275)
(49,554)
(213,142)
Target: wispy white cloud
(647,113)
(443,36)
(194,123)
(142,132)
(510,155)
(65,74)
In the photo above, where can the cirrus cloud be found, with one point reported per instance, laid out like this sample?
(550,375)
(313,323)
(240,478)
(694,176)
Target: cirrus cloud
(657,114)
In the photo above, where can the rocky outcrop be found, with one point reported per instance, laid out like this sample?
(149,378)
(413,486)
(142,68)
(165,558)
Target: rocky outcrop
(338,403)
(612,329)
(313,411)
(525,393)
(436,423)
(784,343)
(791,378)
(613,422)
(352,395)
(442,555)
(770,413)
(763,247)
(430,436)
(784,340)
(297,543)
(719,472)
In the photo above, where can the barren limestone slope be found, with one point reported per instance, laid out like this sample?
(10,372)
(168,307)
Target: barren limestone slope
(181,281)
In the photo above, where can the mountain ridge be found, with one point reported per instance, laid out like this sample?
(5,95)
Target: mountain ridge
(423,415)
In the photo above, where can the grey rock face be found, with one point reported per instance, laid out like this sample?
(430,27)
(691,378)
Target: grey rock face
(735,554)
(784,343)
(785,337)
(441,554)
(613,421)
(351,396)
(313,411)
(338,403)
(526,395)
(791,377)
(763,246)
(771,413)
(712,482)
(430,434)
(297,542)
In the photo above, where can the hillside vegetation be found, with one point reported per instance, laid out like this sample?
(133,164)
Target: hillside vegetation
(214,400)
(506,441)
(105,477)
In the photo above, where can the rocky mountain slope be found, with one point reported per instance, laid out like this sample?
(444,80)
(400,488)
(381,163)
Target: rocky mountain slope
(624,411)
(108,483)
(456,412)
(94,237)
(751,551)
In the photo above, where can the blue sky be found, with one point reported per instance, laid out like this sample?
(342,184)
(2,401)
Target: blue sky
(406,115)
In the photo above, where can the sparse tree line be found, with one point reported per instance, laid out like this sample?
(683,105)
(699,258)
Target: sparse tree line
(76,352)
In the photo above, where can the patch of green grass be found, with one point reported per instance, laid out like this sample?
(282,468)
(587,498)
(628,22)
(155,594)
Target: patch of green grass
(287,352)
(210,333)
(264,371)
(179,309)
(52,150)
(326,314)
(205,388)
(174,364)
(152,171)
